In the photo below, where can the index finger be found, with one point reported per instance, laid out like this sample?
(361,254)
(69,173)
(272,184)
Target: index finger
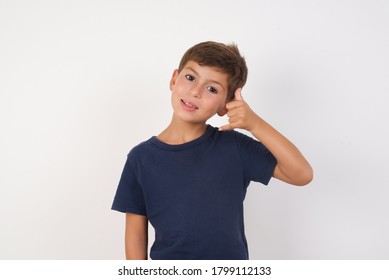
(233,104)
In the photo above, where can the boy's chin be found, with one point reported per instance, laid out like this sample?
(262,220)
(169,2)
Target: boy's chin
(191,120)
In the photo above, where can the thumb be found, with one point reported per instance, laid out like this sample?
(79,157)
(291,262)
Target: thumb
(238,94)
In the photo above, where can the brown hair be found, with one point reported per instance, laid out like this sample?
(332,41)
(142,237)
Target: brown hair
(225,57)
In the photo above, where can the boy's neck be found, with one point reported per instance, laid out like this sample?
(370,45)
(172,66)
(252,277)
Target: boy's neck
(180,132)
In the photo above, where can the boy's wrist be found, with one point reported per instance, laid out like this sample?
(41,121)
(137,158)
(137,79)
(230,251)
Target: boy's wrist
(257,125)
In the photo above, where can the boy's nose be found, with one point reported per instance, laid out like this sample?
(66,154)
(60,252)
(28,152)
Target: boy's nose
(196,91)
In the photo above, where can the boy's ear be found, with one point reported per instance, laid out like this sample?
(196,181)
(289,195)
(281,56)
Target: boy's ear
(222,111)
(173,79)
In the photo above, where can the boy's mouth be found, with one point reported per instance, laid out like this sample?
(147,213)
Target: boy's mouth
(190,105)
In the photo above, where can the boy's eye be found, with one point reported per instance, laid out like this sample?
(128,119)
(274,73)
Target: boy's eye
(189,77)
(212,89)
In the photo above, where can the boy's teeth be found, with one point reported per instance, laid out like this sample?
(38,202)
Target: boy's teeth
(188,104)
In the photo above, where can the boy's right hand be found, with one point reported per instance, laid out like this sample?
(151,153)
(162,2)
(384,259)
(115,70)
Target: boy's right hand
(239,113)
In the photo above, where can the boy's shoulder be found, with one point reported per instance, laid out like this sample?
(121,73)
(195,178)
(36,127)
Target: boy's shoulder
(142,145)
(140,148)
(236,136)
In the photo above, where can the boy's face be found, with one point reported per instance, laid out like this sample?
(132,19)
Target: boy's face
(198,92)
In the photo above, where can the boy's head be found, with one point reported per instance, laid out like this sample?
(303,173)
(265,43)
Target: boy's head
(225,57)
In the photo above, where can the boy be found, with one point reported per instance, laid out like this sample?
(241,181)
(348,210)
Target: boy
(190,180)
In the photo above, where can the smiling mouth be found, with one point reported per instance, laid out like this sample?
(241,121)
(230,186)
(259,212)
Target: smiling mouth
(189,104)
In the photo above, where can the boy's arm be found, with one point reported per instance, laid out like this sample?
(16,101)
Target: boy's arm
(136,237)
(291,166)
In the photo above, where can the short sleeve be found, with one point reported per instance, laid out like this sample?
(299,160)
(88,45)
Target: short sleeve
(129,195)
(258,162)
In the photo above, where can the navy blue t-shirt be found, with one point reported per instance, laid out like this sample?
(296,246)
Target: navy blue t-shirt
(193,193)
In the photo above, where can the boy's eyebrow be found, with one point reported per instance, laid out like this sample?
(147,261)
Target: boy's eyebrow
(216,82)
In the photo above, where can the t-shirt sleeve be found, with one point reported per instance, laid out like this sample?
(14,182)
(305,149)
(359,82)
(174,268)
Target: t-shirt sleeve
(258,162)
(129,195)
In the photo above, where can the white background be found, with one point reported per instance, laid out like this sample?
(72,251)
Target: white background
(82,82)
